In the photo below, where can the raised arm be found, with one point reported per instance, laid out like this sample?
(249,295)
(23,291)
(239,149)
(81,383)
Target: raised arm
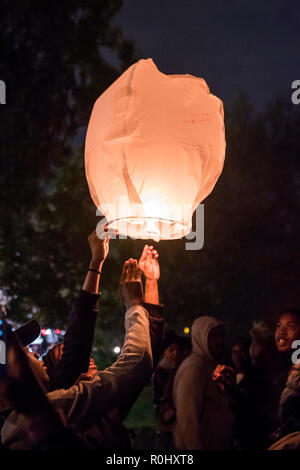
(99,250)
(79,336)
(149,265)
(117,386)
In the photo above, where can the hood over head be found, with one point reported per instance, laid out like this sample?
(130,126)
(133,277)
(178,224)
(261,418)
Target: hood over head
(200,330)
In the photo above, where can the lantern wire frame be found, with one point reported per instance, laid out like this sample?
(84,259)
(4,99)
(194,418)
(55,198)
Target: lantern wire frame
(144,228)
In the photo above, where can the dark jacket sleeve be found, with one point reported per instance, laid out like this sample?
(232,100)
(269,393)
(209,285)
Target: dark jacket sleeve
(156,321)
(78,341)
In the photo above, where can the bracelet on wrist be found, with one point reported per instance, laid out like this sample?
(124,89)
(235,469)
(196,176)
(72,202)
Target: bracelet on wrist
(95,270)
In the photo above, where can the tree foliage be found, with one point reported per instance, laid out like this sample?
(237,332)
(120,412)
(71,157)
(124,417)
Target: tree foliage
(54,66)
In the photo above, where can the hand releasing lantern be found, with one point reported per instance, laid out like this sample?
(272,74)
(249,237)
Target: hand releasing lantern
(155,147)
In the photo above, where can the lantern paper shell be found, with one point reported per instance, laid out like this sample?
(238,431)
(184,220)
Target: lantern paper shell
(155,147)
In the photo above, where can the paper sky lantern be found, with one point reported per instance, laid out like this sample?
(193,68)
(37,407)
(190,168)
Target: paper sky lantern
(155,147)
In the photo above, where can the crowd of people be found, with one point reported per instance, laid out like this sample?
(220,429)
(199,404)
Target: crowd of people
(250,401)
(202,400)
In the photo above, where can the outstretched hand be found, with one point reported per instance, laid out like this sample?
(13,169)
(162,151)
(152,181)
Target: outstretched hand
(131,288)
(99,248)
(148,263)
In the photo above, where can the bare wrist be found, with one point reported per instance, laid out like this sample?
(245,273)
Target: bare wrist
(150,281)
(96,264)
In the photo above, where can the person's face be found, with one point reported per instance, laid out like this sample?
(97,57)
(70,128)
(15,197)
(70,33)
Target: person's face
(37,366)
(287,331)
(240,356)
(171,354)
(215,342)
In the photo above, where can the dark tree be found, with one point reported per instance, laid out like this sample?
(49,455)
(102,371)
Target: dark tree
(249,266)
(56,59)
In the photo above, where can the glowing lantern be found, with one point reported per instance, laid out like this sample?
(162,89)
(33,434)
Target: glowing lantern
(155,147)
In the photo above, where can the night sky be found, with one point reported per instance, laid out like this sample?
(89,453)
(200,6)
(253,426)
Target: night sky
(234,45)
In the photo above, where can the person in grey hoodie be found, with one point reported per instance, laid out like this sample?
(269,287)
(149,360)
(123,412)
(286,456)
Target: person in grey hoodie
(203,418)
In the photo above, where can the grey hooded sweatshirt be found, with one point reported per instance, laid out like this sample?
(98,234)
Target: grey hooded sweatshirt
(203,418)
